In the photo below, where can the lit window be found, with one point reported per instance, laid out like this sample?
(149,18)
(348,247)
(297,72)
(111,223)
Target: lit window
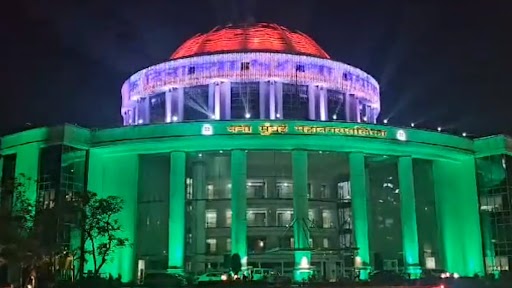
(284,190)
(211,219)
(284,217)
(324,192)
(326,243)
(257,217)
(211,245)
(190,186)
(228,217)
(189,238)
(210,191)
(344,191)
(327,219)
(228,245)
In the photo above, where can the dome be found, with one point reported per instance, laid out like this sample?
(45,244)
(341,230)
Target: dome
(261,37)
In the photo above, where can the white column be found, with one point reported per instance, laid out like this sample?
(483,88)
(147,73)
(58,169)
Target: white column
(323,102)
(263,99)
(136,112)
(272,99)
(146,111)
(180,94)
(217,105)
(168,105)
(311,99)
(348,101)
(225,100)
(279,100)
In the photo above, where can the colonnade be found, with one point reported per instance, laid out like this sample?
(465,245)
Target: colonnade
(455,196)
(270,104)
(302,254)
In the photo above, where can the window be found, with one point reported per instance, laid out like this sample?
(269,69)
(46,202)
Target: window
(190,188)
(157,108)
(191,70)
(228,217)
(344,191)
(324,192)
(245,66)
(295,101)
(211,245)
(327,219)
(284,217)
(189,238)
(257,217)
(284,190)
(245,100)
(196,103)
(335,105)
(256,189)
(228,245)
(211,218)
(326,243)
(210,191)
(311,217)
(300,68)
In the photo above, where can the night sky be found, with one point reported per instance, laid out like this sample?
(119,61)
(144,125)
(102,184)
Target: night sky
(438,63)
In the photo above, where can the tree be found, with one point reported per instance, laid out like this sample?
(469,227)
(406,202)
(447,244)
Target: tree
(236,263)
(101,228)
(19,243)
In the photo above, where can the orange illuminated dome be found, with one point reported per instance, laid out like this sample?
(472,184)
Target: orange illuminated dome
(260,37)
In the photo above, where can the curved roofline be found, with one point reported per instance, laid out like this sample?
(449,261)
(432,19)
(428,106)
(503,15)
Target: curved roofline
(274,38)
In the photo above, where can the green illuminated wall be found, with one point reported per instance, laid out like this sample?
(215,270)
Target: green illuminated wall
(458,216)
(239,205)
(117,176)
(27,163)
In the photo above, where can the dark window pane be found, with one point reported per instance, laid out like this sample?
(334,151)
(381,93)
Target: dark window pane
(196,103)
(245,101)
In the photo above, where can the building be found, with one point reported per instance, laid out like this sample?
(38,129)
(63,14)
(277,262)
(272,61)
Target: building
(251,140)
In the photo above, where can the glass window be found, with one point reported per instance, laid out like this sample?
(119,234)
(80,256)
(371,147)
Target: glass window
(326,243)
(335,105)
(245,100)
(211,245)
(228,217)
(284,217)
(256,189)
(196,103)
(327,219)
(7,181)
(142,110)
(257,217)
(157,108)
(284,190)
(272,168)
(211,218)
(385,220)
(153,203)
(228,245)
(295,102)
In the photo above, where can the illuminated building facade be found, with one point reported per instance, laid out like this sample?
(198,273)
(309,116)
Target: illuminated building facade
(250,140)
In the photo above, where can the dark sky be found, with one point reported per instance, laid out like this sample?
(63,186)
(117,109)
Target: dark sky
(444,63)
